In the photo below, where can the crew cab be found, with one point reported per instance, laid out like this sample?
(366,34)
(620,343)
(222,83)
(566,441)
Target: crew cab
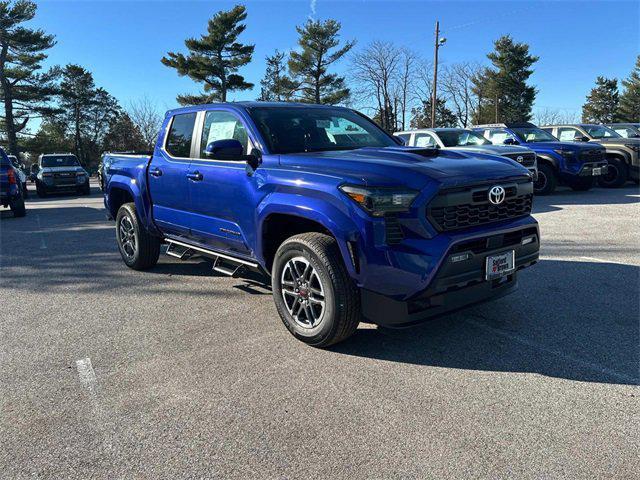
(623,154)
(10,187)
(60,172)
(469,141)
(349,224)
(572,164)
(626,130)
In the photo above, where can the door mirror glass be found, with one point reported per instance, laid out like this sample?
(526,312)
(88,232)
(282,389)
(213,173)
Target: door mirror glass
(509,141)
(582,138)
(229,149)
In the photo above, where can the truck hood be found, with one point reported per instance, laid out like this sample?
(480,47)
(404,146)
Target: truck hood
(493,149)
(568,146)
(617,141)
(413,167)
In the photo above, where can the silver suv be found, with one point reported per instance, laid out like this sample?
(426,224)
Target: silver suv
(470,141)
(622,153)
(60,172)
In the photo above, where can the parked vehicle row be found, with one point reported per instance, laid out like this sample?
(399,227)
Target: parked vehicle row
(349,223)
(622,153)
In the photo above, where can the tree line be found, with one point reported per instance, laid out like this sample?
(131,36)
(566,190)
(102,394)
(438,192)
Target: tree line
(391,83)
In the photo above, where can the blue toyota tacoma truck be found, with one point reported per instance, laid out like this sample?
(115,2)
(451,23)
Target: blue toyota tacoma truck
(350,225)
(571,164)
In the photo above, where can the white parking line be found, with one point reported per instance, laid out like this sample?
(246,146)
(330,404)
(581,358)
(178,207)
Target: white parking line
(43,243)
(87,375)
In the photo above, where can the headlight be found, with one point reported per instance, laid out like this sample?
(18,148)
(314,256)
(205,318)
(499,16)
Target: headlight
(380,200)
(564,153)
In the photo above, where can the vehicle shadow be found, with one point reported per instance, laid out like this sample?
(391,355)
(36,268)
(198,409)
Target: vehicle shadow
(629,193)
(559,323)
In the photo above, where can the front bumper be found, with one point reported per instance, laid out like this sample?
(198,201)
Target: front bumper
(457,284)
(587,169)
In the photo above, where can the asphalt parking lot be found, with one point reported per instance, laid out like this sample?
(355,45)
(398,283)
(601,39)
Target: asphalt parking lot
(181,373)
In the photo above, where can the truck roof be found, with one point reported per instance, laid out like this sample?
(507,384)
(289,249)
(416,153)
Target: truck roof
(249,104)
(507,125)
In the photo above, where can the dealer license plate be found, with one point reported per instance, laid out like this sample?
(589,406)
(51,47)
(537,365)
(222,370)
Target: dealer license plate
(596,171)
(501,264)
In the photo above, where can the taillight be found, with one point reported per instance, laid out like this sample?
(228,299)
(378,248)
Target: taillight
(12,177)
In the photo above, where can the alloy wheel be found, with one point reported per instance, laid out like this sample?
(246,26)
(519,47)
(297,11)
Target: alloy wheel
(127,236)
(303,292)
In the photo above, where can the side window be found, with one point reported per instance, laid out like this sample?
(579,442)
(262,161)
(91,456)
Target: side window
(404,136)
(568,134)
(180,135)
(424,140)
(497,136)
(220,125)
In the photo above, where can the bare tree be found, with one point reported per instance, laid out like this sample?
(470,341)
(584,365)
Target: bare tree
(375,71)
(422,87)
(407,67)
(147,118)
(555,116)
(457,83)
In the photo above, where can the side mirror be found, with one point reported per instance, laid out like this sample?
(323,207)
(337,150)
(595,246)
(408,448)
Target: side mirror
(225,150)
(35,168)
(581,138)
(509,141)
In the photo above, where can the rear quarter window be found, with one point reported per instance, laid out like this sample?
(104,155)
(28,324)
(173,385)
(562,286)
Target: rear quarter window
(180,135)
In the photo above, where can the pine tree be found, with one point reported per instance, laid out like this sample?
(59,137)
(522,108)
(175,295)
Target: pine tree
(602,102)
(503,89)
(309,66)
(421,116)
(629,107)
(26,92)
(215,58)
(276,86)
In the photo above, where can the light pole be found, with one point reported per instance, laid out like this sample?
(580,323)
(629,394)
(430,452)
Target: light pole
(438,43)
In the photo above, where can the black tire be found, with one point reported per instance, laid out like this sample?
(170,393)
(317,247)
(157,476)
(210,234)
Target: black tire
(582,184)
(25,191)
(616,176)
(340,313)
(17,207)
(145,250)
(547,180)
(86,190)
(41,190)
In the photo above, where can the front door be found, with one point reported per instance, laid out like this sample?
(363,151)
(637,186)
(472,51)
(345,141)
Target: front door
(168,182)
(221,192)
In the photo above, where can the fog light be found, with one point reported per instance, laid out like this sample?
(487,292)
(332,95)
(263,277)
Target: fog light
(460,257)
(528,240)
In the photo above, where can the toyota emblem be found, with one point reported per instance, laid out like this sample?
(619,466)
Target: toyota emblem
(519,159)
(496,195)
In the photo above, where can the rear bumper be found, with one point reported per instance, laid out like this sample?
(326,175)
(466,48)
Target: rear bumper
(456,284)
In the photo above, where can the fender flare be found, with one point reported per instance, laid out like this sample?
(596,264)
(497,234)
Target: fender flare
(623,155)
(130,185)
(337,221)
(545,157)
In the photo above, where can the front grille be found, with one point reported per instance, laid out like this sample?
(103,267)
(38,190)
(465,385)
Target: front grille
(455,209)
(593,155)
(393,233)
(524,159)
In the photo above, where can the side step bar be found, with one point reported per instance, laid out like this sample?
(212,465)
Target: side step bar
(223,263)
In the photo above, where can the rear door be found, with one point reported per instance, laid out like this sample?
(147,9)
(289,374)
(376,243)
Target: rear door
(221,192)
(167,177)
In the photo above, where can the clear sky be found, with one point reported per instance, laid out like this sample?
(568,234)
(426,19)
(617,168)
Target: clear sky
(122,42)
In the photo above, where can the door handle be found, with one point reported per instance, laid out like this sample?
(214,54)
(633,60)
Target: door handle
(195,176)
(156,172)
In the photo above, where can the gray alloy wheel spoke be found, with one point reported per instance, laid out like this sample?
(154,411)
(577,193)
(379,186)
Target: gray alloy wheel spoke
(302,292)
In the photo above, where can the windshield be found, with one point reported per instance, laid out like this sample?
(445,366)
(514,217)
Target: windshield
(600,131)
(60,161)
(461,138)
(299,129)
(534,135)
